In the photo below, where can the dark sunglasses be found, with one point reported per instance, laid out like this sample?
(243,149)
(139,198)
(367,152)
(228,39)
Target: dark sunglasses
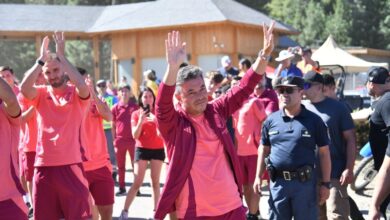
(308,85)
(288,90)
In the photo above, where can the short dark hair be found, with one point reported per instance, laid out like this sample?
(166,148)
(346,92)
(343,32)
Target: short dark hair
(5,68)
(187,73)
(245,62)
(328,80)
(143,90)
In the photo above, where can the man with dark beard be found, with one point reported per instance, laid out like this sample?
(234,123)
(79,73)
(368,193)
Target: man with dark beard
(60,188)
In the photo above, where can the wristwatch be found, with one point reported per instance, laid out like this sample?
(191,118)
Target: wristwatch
(326,184)
(40,62)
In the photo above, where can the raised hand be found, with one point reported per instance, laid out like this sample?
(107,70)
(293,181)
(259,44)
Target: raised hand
(175,50)
(268,44)
(44,49)
(59,39)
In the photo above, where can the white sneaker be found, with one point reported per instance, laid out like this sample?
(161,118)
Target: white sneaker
(124,215)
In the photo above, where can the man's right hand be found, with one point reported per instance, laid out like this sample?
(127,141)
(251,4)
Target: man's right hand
(175,49)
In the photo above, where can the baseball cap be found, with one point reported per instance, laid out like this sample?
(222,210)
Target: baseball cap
(101,83)
(284,54)
(290,81)
(124,85)
(226,61)
(313,77)
(378,75)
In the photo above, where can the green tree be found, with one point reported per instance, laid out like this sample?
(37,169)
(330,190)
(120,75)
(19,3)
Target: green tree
(19,55)
(366,23)
(385,25)
(338,24)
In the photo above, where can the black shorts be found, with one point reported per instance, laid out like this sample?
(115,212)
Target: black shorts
(149,154)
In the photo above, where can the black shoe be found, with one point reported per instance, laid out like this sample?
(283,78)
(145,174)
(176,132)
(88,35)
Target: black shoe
(121,192)
(114,174)
(139,193)
(251,217)
(28,205)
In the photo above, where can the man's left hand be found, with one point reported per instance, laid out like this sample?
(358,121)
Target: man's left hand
(346,177)
(324,195)
(59,39)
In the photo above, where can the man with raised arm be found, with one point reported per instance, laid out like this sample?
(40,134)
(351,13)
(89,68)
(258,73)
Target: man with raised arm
(60,188)
(203,179)
(11,201)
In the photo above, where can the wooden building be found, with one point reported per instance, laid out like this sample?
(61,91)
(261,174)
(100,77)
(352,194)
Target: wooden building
(211,29)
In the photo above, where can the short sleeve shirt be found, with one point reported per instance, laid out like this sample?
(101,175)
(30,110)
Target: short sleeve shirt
(9,136)
(60,114)
(292,70)
(379,129)
(293,141)
(338,119)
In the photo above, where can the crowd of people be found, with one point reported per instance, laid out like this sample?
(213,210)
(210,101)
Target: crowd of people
(225,135)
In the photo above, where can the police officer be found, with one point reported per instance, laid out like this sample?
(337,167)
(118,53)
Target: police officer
(289,140)
(342,144)
(378,86)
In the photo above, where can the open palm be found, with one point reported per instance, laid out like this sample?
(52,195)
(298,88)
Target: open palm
(175,49)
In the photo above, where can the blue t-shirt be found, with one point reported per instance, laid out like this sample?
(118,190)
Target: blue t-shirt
(294,141)
(338,119)
(292,70)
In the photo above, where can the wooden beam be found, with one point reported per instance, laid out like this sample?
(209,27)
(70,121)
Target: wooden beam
(115,66)
(96,57)
(137,66)
(38,43)
(194,54)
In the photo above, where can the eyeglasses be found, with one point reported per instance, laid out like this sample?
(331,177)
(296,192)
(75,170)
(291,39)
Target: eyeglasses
(288,90)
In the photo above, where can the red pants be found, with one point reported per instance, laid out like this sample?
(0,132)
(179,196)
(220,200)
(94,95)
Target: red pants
(61,192)
(121,150)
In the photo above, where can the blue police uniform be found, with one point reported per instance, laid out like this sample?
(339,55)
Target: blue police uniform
(293,143)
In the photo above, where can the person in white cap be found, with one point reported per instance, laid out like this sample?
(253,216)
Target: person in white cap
(227,68)
(286,67)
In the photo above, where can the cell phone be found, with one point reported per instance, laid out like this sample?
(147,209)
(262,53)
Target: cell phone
(146,109)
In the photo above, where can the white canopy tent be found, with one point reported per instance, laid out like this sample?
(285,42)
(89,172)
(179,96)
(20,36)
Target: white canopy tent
(331,54)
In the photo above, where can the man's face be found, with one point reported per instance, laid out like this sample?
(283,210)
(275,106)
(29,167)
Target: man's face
(286,62)
(8,77)
(193,96)
(312,90)
(289,96)
(53,73)
(101,88)
(124,94)
(329,90)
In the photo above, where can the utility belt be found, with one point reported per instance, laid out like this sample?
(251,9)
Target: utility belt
(302,174)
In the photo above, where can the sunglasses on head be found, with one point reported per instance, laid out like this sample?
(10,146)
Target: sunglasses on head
(288,90)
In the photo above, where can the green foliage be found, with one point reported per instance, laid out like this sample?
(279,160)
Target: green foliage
(351,22)
(19,55)
(80,53)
